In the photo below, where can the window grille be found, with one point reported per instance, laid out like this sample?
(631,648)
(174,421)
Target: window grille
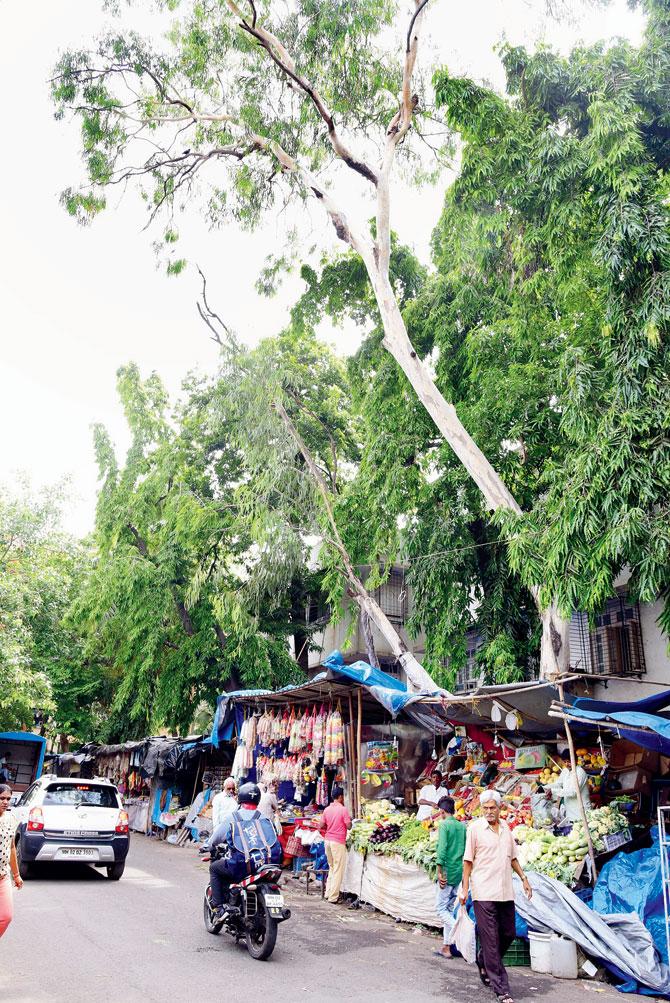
(392,596)
(317,612)
(613,646)
(469,677)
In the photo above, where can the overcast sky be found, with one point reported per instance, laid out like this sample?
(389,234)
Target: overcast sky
(75,303)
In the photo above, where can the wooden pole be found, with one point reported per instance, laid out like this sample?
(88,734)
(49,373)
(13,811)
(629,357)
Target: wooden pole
(359,730)
(352,758)
(580,801)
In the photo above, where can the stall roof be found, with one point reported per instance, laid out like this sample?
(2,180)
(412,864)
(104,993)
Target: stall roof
(631,720)
(532,700)
(383,696)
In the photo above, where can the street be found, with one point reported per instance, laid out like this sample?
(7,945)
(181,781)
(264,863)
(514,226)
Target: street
(79,938)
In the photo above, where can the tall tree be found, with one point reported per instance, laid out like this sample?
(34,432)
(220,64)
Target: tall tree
(253,90)
(36,560)
(167,603)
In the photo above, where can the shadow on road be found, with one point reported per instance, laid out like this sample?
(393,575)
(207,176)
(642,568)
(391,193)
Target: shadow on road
(65,872)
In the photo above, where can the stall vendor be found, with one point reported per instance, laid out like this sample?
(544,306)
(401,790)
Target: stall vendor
(566,788)
(430,796)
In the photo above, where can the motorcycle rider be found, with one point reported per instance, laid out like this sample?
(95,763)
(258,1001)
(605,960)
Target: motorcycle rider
(248,840)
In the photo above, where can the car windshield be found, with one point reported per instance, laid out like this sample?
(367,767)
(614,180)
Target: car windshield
(91,795)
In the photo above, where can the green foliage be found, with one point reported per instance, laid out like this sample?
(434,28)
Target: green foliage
(177,603)
(40,567)
(195,119)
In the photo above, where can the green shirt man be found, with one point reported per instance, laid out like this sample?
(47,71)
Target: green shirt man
(450,849)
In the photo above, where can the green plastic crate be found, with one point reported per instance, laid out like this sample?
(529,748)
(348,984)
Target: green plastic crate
(518,954)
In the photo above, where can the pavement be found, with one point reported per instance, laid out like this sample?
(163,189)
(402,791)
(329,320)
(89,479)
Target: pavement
(79,938)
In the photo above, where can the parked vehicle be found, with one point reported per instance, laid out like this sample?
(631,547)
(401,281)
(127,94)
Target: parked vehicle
(21,760)
(64,819)
(261,908)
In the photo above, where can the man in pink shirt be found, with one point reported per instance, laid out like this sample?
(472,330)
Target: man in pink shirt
(336,822)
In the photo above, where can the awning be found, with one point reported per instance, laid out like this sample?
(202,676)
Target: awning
(383,696)
(531,700)
(631,720)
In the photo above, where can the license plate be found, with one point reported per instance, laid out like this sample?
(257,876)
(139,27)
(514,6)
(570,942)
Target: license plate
(274,901)
(78,851)
(84,833)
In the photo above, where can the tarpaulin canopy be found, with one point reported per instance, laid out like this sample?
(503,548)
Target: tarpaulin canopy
(634,720)
(384,696)
(531,700)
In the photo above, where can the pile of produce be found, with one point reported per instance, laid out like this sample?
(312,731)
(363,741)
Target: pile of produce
(384,833)
(387,831)
(558,856)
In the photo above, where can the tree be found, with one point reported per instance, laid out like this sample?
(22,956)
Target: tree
(254,91)
(35,559)
(168,604)
(569,178)
(546,322)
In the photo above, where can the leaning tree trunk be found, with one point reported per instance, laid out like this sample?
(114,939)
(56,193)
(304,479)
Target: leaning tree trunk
(555,646)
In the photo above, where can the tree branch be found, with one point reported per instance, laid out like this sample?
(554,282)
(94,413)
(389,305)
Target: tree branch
(283,60)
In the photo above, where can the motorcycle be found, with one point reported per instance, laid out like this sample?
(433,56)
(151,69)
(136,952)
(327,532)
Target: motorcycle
(260,909)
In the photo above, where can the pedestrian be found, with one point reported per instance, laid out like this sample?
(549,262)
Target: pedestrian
(334,826)
(489,859)
(268,805)
(430,795)
(224,803)
(9,867)
(450,850)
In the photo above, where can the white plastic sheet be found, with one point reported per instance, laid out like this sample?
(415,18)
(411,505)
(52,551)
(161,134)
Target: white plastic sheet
(401,890)
(620,939)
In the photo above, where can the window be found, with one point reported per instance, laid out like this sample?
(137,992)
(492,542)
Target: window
(392,596)
(469,677)
(317,612)
(613,646)
(90,795)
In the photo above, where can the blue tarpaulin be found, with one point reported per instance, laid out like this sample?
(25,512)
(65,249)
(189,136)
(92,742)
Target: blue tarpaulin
(632,882)
(638,714)
(390,692)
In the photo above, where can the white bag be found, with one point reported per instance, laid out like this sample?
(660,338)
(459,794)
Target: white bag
(463,936)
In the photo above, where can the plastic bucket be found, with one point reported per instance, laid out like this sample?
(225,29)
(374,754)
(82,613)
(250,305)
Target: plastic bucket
(563,958)
(540,952)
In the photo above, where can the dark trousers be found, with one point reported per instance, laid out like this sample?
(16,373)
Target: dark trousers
(496,928)
(222,874)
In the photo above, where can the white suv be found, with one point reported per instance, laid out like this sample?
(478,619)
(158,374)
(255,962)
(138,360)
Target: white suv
(64,819)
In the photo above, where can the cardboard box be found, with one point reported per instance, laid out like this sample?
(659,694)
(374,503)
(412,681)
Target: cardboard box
(633,779)
(627,754)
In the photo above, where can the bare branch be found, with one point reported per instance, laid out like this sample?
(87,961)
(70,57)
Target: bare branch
(209,316)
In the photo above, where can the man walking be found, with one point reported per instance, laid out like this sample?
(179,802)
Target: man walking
(450,849)
(336,822)
(489,859)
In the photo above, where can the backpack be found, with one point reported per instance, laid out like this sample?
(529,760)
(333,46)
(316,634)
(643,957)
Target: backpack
(256,839)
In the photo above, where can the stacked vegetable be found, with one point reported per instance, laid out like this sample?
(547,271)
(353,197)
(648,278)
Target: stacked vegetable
(384,833)
(558,856)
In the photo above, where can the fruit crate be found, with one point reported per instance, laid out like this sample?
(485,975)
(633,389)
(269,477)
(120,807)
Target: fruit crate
(518,954)
(616,839)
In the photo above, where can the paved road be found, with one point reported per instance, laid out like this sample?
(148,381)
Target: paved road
(79,938)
